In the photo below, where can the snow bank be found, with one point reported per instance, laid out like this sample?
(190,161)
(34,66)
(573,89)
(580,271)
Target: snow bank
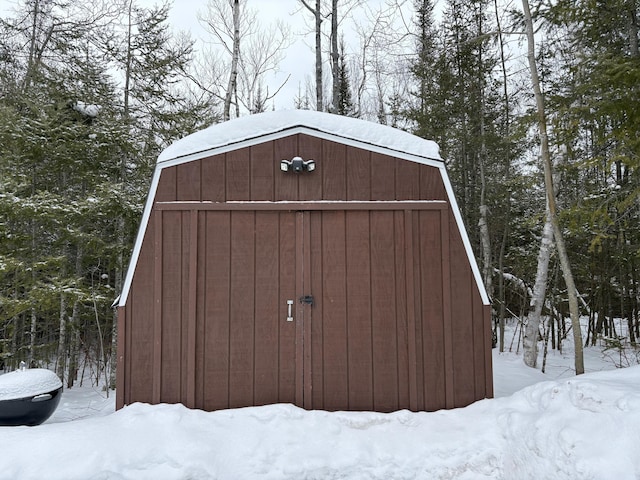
(26,383)
(260,125)
(585,427)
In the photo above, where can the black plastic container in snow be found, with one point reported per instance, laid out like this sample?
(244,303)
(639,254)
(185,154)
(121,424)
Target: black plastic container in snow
(28,396)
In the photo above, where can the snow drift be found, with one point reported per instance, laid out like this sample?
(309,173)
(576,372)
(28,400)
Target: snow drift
(585,427)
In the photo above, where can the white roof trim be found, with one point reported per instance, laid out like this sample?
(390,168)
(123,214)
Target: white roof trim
(465,237)
(137,246)
(179,153)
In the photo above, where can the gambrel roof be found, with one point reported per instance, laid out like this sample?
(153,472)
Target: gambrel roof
(260,128)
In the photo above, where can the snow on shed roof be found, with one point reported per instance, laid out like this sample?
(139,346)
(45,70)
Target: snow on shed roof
(267,123)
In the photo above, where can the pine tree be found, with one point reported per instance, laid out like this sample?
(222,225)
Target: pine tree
(425,110)
(344,104)
(595,104)
(76,153)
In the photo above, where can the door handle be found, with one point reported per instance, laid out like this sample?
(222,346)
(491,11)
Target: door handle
(289,310)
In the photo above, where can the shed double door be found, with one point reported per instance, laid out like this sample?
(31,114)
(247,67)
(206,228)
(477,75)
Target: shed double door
(323,308)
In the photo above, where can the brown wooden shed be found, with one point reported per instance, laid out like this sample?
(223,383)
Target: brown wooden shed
(304,258)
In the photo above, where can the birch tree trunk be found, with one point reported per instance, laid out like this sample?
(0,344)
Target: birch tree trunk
(75,339)
(32,336)
(335,56)
(632,26)
(235,57)
(530,340)
(551,198)
(74,345)
(483,222)
(62,339)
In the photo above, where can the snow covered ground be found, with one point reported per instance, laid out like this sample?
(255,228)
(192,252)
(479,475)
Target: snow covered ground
(539,426)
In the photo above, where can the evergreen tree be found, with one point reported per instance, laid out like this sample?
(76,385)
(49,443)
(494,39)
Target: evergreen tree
(458,103)
(77,150)
(426,110)
(595,104)
(345,104)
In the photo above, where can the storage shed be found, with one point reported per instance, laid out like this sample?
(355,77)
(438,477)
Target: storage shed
(306,258)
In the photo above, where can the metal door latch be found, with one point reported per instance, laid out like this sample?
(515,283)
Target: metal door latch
(308,299)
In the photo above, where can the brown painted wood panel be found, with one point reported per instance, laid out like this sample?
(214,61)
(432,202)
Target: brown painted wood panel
(214,182)
(286,184)
(383,177)
(359,174)
(287,291)
(303,281)
(413,320)
(461,321)
(140,319)
(185,296)
(242,309)
(431,294)
(383,312)
(262,172)
(334,171)
(418,314)
(139,312)
(267,261)
(335,374)
(377,326)
(217,309)
(166,191)
(431,185)
(299,307)
(317,325)
(188,178)
(401,301)
(237,173)
(172,263)
(447,298)
(189,353)
(408,180)
(359,305)
(157,304)
(201,314)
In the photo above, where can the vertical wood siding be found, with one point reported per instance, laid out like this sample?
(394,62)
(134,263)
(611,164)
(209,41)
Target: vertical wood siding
(205,322)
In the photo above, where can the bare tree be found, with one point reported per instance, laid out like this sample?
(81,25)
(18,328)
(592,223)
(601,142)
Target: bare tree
(380,73)
(262,53)
(335,55)
(235,58)
(317,15)
(248,53)
(551,196)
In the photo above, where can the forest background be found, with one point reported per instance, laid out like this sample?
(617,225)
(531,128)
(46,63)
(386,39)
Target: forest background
(90,94)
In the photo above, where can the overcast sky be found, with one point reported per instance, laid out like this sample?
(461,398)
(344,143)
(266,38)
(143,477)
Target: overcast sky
(299,61)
